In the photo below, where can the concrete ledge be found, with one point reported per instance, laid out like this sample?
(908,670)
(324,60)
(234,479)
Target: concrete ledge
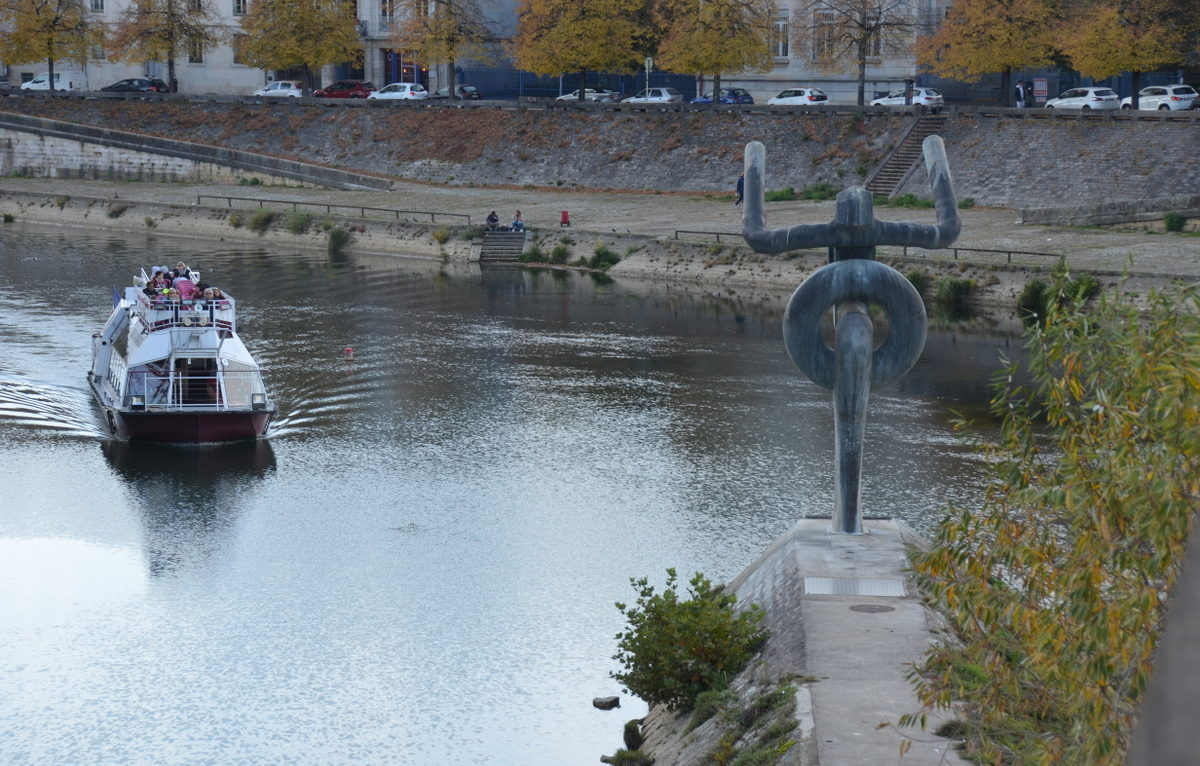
(1122,211)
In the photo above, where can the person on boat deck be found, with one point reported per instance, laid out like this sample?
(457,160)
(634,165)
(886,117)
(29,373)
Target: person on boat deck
(182,270)
(159,281)
(172,296)
(219,297)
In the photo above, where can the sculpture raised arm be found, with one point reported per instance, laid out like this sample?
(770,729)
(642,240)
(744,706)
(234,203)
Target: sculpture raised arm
(854,232)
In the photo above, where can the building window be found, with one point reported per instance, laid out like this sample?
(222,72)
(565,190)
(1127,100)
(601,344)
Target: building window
(386,9)
(780,37)
(195,6)
(239,49)
(239,7)
(96,52)
(97,6)
(824,44)
(195,51)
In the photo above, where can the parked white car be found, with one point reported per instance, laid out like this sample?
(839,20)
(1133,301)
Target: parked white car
(64,80)
(799,96)
(599,94)
(1171,97)
(655,96)
(930,98)
(281,89)
(401,90)
(1091,97)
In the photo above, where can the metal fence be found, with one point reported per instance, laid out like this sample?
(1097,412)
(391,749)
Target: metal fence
(336,209)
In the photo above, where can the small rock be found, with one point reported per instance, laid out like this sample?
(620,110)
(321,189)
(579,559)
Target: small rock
(606,703)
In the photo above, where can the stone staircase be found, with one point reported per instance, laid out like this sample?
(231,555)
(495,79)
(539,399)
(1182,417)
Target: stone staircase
(501,246)
(900,163)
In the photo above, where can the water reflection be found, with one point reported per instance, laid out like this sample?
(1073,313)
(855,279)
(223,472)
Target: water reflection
(187,496)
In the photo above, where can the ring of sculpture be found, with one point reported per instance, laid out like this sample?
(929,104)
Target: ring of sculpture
(870,282)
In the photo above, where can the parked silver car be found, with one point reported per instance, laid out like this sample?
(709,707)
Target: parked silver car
(1173,97)
(655,96)
(1091,97)
(930,98)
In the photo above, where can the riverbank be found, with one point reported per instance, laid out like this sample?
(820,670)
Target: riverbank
(684,238)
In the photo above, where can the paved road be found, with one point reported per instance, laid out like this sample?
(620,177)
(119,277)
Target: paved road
(1094,249)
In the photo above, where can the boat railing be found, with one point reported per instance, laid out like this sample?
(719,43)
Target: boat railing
(159,313)
(228,390)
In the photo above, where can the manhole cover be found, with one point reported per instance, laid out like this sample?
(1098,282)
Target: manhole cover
(871,608)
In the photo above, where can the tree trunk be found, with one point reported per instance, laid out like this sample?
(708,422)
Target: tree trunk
(582,84)
(1136,79)
(716,91)
(451,79)
(1006,86)
(171,81)
(308,80)
(862,71)
(50,74)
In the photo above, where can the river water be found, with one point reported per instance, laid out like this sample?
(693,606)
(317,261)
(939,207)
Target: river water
(419,565)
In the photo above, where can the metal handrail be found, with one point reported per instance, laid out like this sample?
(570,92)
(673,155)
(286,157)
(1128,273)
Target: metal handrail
(716,234)
(921,252)
(330,207)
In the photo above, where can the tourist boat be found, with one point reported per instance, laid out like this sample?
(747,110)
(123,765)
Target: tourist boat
(176,371)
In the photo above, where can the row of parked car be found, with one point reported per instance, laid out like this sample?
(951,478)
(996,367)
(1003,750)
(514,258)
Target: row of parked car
(366,89)
(1154,97)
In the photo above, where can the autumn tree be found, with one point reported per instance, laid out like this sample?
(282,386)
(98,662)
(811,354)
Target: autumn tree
(1107,37)
(555,37)
(714,36)
(300,34)
(843,34)
(50,30)
(983,36)
(443,32)
(159,30)
(1055,590)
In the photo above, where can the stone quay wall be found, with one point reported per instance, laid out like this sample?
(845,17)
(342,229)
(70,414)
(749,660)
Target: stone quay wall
(1000,157)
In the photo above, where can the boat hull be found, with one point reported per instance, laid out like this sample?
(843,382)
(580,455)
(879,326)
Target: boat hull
(193,426)
(187,427)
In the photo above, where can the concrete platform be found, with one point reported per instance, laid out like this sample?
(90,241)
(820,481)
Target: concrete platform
(841,610)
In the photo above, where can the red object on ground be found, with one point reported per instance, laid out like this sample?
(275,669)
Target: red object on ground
(348,353)
(565,220)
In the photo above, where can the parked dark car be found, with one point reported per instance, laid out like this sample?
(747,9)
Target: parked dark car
(460,91)
(728,96)
(138,85)
(346,89)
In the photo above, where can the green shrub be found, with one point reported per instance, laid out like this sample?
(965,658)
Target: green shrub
(261,221)
(673,649)
(908,200)
(327,224)
(952,291)
(820,192)
(236,219)
(470,233)
(625,757)
(249,181)
(533,254)
(149,222)
(441,235)
(919,280)
(780,195)
(603,258)
(61,200)
(559,253)
(1033,301)
(966,202)
(297,222)
(337,239)
(8,218)
(1083,287)
(708,703)
(116,211)
(1174,221)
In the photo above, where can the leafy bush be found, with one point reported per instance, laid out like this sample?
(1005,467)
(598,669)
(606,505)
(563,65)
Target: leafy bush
(603,258)
(470,233)
(116,211)
(8,218)
(820,192)
(952,291)
(1054,589)
(150,224)
(249,181)
(559,253)
(261,221)
(919,280)
(236,220)
(533,255)
(298,222)
(1033,304)
(441,235)
(966,202)
(673,649)
(1033,300)
(337,239)
(61,201)
(780,195)
(905,200)
(1174,221)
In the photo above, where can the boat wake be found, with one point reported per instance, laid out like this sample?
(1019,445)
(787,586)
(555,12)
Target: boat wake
(38,406)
